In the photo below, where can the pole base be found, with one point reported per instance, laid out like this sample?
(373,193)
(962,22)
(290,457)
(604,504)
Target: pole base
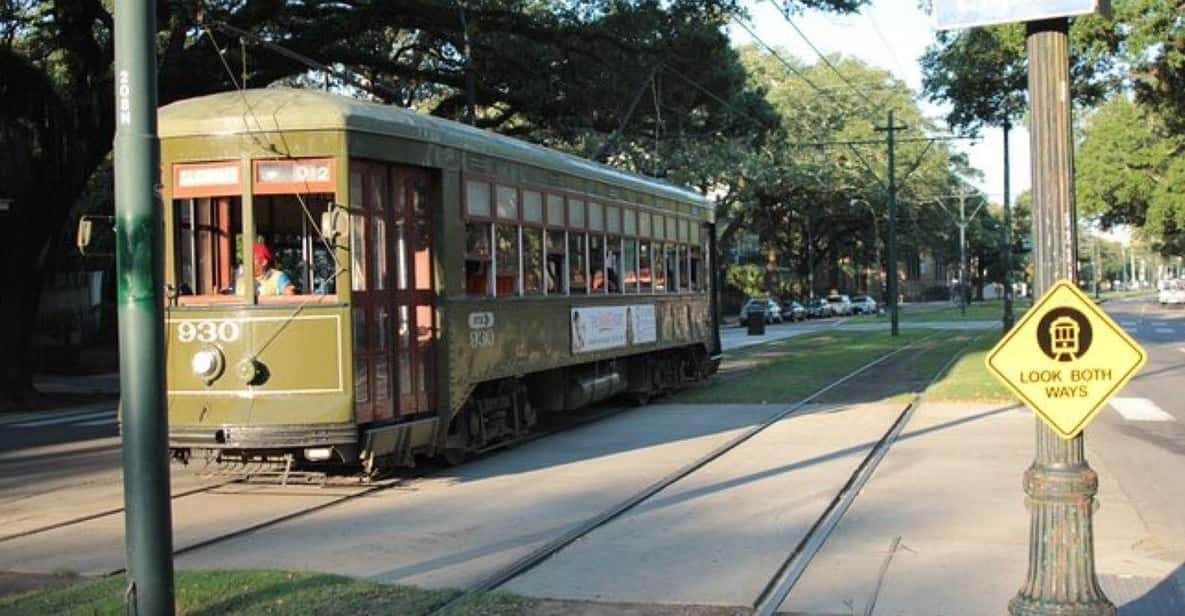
(1028,606)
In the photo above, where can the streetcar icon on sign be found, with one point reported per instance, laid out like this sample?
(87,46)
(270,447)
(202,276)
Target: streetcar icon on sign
(1064,334)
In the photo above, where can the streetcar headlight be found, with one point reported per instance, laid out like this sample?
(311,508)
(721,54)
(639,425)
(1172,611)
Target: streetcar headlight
(207,363)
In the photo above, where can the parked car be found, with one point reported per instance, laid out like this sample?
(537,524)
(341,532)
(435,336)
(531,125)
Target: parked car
(1173,292)
(818,308)
(793,311)
(841,305)
(773,312)
(863,304)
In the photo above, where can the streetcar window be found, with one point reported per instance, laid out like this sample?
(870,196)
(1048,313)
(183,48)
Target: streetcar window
(507,203)
(555,210)
(532,206)
(629,222)
(477,198)
(613,265)
(596,216)
(643,224)
(288,225)
(556,267)
(644,283)
(660,268)
(630,253)
(207,236)
(613,220)
(358,252)
(576,214)
(506,259)
(596,261)
(477,259)
(577,265)
(682,268)
(532,261)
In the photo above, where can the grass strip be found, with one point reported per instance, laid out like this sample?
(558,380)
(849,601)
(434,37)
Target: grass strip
(790,369)
(252,592)
(991,310)
(969,380)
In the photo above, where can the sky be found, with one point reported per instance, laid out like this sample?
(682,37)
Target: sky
(892,35)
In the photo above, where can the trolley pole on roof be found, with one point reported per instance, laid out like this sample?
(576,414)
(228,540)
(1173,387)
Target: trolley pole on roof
(148,542)
(1060,485)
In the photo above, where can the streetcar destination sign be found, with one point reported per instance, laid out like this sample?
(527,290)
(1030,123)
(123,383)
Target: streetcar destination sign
(1065,359)
(955,14)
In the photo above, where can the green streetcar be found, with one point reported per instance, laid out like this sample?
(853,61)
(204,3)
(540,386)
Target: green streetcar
(440,287)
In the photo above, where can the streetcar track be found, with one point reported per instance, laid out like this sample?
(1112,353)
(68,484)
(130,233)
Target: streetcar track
(536,557)
(792,568)
(104,513)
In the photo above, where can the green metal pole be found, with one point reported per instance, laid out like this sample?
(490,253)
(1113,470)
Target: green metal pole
(892,226)
(139,265)
(1009,319)
(1060,484)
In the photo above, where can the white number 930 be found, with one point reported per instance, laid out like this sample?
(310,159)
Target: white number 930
(208,331)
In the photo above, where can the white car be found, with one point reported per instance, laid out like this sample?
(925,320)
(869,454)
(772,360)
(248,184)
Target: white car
(841,305)
(863,304)
(1172,292)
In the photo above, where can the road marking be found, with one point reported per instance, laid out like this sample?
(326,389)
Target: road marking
(1139,409)
(1164,330)
(1129,324)
(64,419)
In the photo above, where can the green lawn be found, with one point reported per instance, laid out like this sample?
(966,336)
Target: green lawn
(992,310)
(969,380)
(790,369)
(207,593)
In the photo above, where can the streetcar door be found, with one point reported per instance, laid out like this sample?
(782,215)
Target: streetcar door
(372,301)
(415,315)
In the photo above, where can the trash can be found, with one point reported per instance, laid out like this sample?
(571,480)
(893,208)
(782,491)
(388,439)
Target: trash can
(756,323)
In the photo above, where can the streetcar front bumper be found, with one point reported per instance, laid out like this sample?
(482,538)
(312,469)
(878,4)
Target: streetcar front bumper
(231,436)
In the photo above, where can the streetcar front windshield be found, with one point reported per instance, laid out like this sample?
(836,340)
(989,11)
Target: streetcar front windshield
(208,247)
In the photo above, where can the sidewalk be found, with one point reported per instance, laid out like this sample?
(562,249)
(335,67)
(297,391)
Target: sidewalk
(942,528)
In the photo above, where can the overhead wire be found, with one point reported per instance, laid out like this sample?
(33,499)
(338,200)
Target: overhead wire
(786,15)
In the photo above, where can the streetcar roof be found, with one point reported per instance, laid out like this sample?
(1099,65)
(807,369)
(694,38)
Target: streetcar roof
(288,109)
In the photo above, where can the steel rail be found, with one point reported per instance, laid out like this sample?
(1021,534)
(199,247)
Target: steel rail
(102,514)
(788,574)
(546,551)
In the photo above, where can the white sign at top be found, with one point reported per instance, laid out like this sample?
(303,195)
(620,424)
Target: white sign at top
(956,14)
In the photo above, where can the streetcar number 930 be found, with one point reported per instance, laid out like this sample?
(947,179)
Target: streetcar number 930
(208,331)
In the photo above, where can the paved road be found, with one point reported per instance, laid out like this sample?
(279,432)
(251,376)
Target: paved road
(1142,437)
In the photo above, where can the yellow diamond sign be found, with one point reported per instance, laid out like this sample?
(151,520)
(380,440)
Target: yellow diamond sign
(1065,359)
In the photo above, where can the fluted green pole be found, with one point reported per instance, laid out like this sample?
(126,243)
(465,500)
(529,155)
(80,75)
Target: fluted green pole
(148,541)
(1060,484)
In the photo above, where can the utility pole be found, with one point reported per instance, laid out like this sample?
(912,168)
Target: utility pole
(891,129)
(1009,318)
(148,541)
(963,255)
(1060,484)
(962,221)
(810,258)
(1094,267)
(470,78)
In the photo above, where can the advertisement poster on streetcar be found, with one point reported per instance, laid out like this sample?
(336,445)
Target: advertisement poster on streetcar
(597,328)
